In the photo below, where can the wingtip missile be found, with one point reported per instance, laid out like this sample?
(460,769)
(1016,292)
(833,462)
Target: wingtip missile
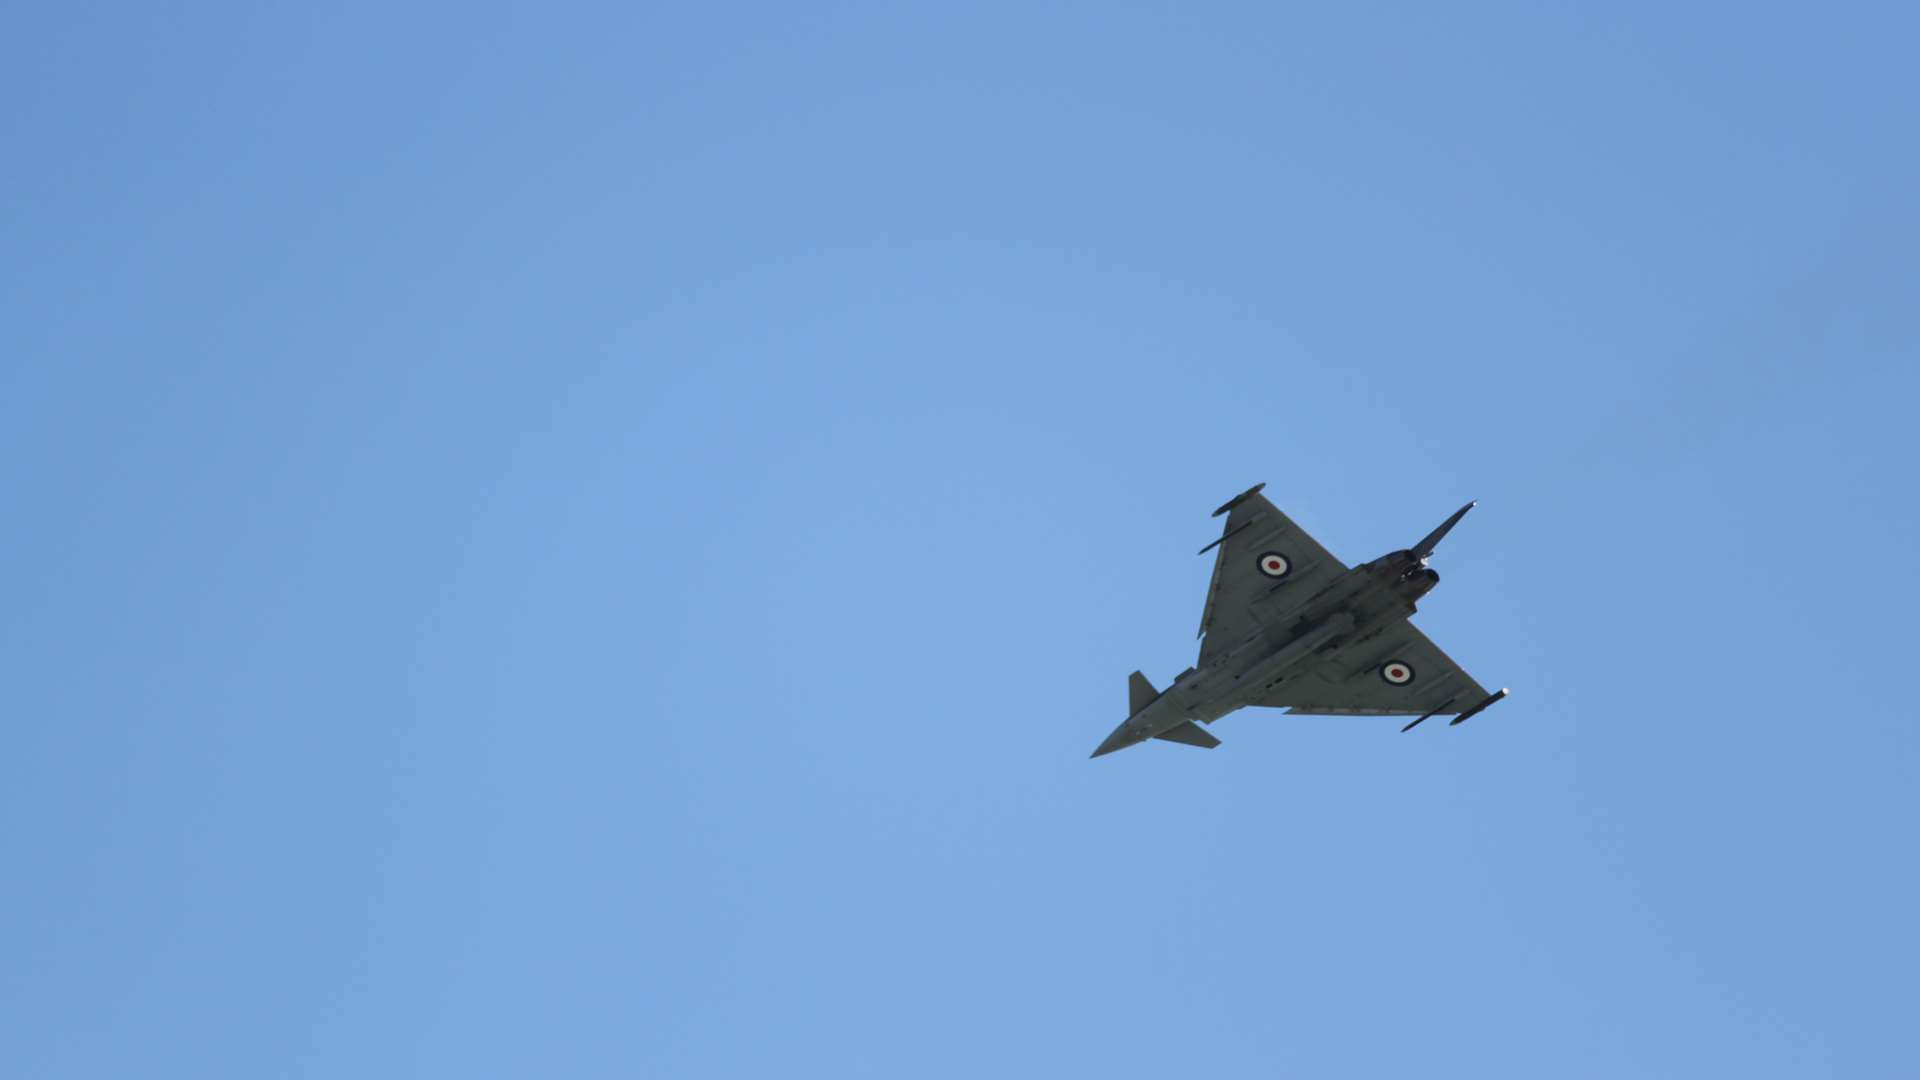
(1240,498)
(1496,696)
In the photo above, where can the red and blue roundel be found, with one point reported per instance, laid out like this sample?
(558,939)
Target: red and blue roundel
(1274,565)
(1397,672)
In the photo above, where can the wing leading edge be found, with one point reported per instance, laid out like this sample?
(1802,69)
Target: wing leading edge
(1262,555)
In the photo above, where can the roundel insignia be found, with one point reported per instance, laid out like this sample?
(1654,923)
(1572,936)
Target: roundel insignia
(1275,565)
(1397,672)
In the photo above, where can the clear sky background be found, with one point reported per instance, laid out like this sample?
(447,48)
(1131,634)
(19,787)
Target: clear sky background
(596,540)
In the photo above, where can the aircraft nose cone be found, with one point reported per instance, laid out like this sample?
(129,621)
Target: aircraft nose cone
(1122,737)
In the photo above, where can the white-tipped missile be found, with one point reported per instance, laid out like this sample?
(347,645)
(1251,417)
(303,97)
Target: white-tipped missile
(1497,695)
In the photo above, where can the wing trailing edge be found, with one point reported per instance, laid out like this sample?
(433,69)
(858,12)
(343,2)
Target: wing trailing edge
(1191,734)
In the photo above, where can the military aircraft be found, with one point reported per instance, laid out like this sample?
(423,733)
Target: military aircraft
(1289,626)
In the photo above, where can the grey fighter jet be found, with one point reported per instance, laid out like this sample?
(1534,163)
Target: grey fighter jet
(1289,626)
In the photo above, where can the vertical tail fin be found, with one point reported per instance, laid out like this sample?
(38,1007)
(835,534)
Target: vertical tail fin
(1140,693)
(1432,540)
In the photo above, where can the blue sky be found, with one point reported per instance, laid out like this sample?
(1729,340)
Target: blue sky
(596,540)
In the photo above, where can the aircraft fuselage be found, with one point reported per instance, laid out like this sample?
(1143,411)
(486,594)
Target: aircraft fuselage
(1354,607)
(1287,625)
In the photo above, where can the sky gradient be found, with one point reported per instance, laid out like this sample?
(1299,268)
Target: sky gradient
(597,540)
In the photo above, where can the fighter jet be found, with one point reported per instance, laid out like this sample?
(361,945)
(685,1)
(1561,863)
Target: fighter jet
(1289,626)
